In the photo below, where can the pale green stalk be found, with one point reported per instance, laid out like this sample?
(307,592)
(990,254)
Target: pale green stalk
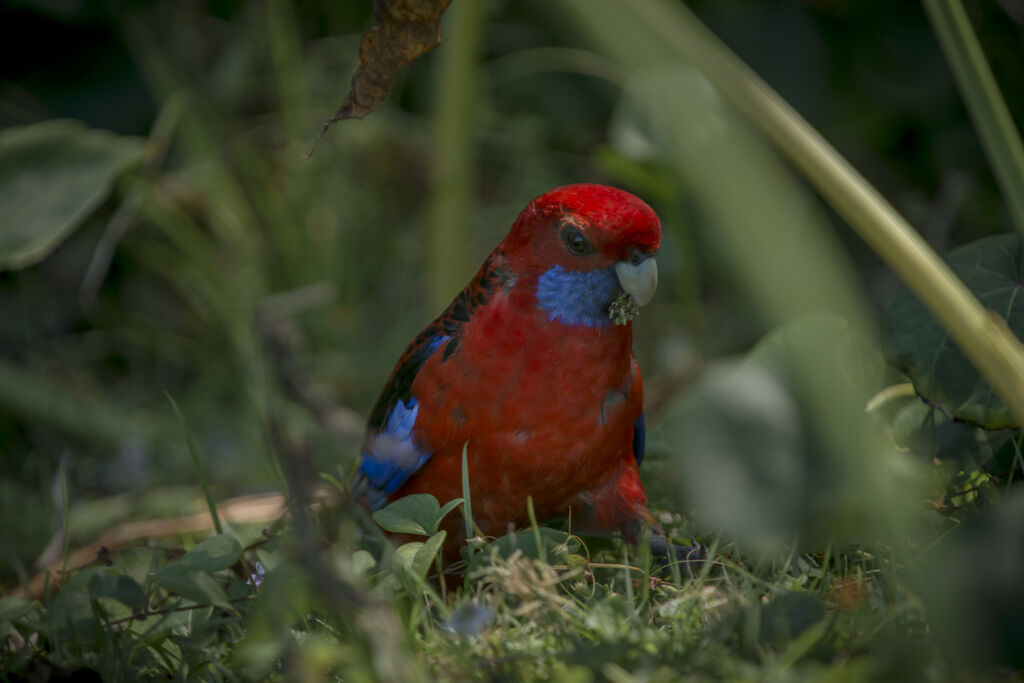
(999,136)
(670,29)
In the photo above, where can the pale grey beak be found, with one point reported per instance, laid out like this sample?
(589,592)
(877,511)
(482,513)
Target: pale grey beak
(638,280)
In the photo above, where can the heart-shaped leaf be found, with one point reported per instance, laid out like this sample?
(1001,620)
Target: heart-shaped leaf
(992,269)
(213,555)
(192,585)
(415,514)
(119,587)
(52,176)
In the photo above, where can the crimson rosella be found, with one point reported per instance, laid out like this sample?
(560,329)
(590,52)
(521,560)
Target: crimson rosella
(529,370)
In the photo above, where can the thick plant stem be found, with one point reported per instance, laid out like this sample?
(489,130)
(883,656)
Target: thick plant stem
(671,31)
(452,174)
(999,136)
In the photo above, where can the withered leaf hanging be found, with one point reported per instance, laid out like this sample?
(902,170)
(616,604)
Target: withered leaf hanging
(405,29)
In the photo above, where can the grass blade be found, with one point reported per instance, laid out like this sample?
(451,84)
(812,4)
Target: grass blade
(467,506)
(542,552)
(193,453)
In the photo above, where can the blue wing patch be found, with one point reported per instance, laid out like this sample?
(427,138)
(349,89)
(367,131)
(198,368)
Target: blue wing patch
(639,439)
(391,454)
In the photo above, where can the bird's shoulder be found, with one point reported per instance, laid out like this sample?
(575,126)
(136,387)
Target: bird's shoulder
(391,452)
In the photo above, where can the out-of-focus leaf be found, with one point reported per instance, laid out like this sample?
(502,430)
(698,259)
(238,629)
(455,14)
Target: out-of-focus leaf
(52,175)
(405,30)
(119,587)
(38,398)
(773,624)
(858,365)
(214,554)
(975,596)
(992,268)
(15,607)
(741,450)
(363,562)
(192,585)
(757,459)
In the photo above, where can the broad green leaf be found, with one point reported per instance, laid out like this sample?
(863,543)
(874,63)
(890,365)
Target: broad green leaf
(403,557)
(992,269)
(415,514)
(15,607)
(412,561)
(193,585)
(742,454)
(824,339)
(424,557)
(119,587)
(52,176)
(214,554)
(972,588)
(445,509)
(363,562)
(778,448)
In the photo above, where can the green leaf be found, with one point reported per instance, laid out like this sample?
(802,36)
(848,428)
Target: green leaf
(52,176)
(363,563)
(778,448)
(193,585)
(415,514)
(972,588)
(445,509)
(15,607)
(119,587)
(825,339)
(403,557)
(992,269)
(424,557)
(742,458)
(412,561)
(213,554)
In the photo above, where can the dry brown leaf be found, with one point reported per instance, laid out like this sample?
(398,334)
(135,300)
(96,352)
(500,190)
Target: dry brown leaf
(405,30)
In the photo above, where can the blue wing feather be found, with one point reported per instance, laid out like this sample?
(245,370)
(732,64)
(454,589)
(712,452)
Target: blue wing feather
(391,453)
(639,438)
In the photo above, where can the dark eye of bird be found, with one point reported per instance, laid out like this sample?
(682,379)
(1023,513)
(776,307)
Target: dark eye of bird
(575,240)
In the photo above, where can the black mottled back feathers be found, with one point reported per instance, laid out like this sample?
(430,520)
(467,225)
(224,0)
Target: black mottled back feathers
(445,330)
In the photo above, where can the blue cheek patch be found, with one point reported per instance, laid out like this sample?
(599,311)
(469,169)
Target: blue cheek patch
(578,297)
(392,455)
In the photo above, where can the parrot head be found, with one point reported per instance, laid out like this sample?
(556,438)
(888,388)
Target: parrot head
(591,249)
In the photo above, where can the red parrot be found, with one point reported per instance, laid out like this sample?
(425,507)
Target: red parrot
(528,368)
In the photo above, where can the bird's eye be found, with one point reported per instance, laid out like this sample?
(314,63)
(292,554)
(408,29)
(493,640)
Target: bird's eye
(575,240)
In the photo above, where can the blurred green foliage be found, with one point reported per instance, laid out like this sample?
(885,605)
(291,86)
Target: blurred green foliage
(826,565)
